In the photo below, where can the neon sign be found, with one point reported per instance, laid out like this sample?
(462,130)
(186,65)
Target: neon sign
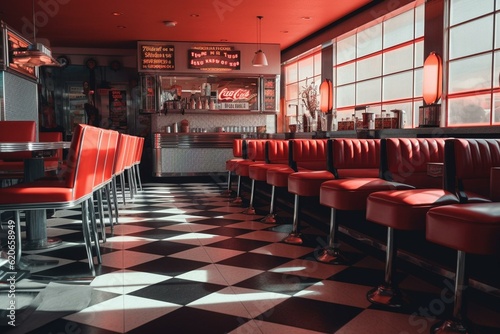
(233,94)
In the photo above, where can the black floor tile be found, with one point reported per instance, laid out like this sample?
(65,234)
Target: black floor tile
(177,291)
(277,282)
(168,266)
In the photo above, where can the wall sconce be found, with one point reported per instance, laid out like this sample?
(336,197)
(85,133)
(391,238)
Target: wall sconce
(433,78)
(326,93)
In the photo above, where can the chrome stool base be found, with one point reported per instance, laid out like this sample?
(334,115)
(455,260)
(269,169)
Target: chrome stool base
(294,239)
(386,295)
(249,211)
(333,256)
(449,327)
(270,218)
(237,201)
(226,193)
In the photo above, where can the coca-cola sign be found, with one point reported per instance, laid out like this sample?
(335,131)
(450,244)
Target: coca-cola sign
(239,94)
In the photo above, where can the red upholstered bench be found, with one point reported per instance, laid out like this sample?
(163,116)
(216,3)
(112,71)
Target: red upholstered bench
(468,228)
(254,152)
(467,166)
(276,156)
(350,193)
(304,155)
(231,163)
(361,159)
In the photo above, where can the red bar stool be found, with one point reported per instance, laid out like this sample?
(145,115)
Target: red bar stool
(464,161)
(469,229)
(306,183)
(255,153)
(231,164)
(276,156)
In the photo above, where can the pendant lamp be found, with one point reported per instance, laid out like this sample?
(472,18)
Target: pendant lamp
(259,59)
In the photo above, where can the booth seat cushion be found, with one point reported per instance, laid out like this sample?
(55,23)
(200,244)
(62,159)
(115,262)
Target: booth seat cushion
(351,194)
(405,209)
(232,163)
(242,167)
(278,177)
(43,191)
(308,183)
(259,171)
(472,228)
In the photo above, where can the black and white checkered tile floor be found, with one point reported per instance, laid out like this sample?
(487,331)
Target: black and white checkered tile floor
(184,260)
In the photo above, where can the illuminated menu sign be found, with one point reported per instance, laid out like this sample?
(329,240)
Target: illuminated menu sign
(214,58)
(156,57)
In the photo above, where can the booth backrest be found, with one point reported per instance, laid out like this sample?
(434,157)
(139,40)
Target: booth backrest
(308,153)
(406,160)
(256,149)
(277,151)
(468,166)
(237,148)
(349,157)
(14,132)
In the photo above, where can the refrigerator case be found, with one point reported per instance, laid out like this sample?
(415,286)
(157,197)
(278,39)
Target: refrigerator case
(75,107)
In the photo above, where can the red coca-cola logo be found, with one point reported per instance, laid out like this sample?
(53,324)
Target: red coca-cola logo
(234,94)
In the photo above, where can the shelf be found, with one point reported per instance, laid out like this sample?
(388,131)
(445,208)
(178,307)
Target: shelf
(216,112)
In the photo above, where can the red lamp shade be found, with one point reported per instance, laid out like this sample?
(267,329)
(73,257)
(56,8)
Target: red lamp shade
(433,78)
(326,93)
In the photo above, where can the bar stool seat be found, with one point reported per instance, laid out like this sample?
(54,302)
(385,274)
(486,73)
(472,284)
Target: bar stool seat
(468,228)
(351,194)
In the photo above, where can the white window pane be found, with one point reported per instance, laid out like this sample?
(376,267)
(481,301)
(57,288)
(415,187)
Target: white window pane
(470,38)
(463,10)
(345,96)
(419,82)
(398,60)
(496,71)
(291,73)
(398,86)
(369,68)
(346,49)
(317,63)
(497,30)
(346,74)
(469,110)
(398,29)
(470,74)
(292,91)
(496,111)
(368,91)
(369,40)
(306,68)
(419,21)
(419,54)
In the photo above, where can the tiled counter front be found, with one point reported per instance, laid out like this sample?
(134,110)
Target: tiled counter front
(184,154)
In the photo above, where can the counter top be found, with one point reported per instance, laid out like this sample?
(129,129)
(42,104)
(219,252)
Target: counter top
(195,139)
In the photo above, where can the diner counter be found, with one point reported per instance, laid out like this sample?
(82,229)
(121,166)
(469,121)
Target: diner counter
(192,153)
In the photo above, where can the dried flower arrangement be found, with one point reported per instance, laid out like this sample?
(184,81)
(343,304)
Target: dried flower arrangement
(309,97)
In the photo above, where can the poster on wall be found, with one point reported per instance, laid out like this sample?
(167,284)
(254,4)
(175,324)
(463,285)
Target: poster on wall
(118,110)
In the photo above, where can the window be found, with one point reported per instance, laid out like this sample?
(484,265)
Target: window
(380,65)
(474,63)
(301,73)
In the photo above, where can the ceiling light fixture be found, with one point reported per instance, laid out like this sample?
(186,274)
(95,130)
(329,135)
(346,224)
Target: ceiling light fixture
(259,59)
(169,23)
(35,54)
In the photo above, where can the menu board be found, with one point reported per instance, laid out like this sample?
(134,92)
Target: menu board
(269,94)
(214,58)
(156,57)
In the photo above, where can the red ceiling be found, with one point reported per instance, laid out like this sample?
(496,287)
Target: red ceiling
(91,24)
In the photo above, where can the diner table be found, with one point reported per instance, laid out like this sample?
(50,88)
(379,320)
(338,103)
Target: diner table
(36,220)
